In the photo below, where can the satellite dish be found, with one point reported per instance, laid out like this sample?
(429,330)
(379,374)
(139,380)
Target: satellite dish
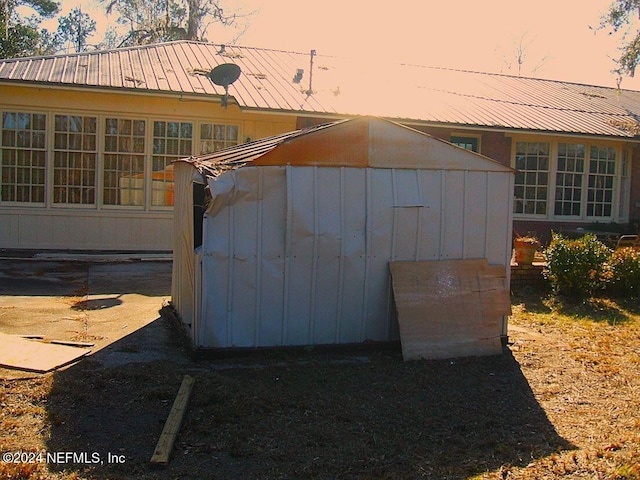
(224,75)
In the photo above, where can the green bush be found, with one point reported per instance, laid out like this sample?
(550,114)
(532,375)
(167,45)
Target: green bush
(577,267)
(625,272)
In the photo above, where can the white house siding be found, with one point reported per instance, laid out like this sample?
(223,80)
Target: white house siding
(299,255)
(85,230)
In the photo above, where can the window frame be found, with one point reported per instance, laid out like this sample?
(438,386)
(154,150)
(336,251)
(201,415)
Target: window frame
(45,151)
(620,197)
(50,149)
(51,170)
(118,154)
(167,155)
(533,173)
(458,135)
(221,143)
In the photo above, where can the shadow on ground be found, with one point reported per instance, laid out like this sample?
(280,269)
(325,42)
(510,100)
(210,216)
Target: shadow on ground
(51,278)
(303,415)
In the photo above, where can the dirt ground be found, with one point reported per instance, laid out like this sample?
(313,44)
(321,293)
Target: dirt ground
(562,401)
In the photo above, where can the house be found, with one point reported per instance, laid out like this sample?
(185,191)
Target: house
(293,244)
(88,139)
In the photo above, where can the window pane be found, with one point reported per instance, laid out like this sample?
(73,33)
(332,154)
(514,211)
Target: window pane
(171,142)
(215,137)
(532,178)
(22,157)
(124,164)
(569,175)
(602,168)
(75,160)
(468,143)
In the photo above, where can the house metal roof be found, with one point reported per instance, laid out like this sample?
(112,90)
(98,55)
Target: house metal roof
(343,87)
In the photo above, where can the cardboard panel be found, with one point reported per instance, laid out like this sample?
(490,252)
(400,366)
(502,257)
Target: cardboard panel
(34,356)
(450,308)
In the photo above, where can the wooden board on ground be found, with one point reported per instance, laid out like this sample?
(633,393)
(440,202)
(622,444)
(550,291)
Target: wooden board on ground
(172,426)
(450,308)
(33,356)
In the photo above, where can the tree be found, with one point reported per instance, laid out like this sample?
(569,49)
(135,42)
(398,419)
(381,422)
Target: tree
(621,18)
(75,29)
(111,39)
(150,21)
(517,58)
(21,36)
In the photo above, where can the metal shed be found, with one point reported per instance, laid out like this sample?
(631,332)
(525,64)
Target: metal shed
(299,229)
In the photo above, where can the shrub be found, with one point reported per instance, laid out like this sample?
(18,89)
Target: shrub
(625,272)
(577,267)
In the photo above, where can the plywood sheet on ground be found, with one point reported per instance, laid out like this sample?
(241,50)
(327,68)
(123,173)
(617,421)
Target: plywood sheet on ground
(450,308)
(34,356)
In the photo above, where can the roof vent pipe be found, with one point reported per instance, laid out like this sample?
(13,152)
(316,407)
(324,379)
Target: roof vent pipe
(311,54)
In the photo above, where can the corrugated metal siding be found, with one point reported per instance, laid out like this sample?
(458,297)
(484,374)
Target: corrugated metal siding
(344,87)
(299,255)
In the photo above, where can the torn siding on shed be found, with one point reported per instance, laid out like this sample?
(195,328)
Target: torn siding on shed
(184,270)
(299,255)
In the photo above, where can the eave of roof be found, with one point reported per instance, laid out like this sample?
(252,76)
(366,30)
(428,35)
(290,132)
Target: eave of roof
(342,88)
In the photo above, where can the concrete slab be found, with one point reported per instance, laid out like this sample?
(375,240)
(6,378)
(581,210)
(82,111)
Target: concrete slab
(114,305)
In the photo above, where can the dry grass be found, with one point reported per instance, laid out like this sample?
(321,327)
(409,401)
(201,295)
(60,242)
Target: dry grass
(561,402)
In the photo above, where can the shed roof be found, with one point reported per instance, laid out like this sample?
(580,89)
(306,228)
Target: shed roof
(271,81)
(360,142)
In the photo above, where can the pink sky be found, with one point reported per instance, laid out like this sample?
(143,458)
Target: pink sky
(466,34)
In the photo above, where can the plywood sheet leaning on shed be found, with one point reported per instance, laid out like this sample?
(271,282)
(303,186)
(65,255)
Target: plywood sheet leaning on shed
(450,308)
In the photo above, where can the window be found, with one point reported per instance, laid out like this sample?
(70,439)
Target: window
(74,159)
(569,175)
(67,159)
(468,143)
(580,181)
(23,157)
(623,205)
(124,162)
(532,178)
(602,168)
(216,137)
(171,141)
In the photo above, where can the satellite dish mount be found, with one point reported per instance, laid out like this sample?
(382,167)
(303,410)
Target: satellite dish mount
(224,75)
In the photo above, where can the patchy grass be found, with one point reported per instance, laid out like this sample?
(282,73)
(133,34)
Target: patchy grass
(561,402)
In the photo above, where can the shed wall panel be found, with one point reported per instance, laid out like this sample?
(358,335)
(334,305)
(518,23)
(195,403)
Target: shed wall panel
(272,225)
(351,284)
(324,322)
(244,261)
(452,214)
(430,229)
(186,272)
(499,188)
(217,275)
(475,214)
(380,247)
(299,255)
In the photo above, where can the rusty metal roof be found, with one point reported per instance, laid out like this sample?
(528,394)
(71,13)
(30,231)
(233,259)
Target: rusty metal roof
(215,163)
(343,87)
